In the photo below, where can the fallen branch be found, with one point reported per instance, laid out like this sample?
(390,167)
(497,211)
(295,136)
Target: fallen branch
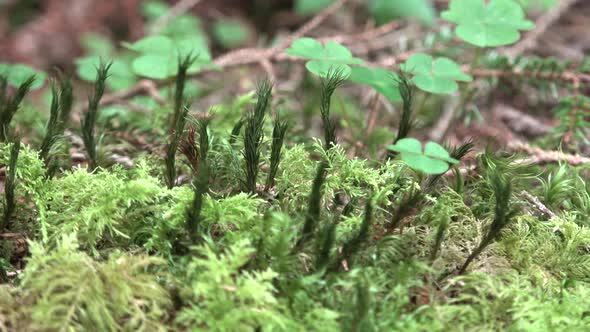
(143,87)
(576,79)
(363,36)
(255,55)
(535,201)
(540,156)
(12,236)
(537,156)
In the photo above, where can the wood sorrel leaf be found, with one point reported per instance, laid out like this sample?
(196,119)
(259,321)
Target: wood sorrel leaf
(435,75)
(496,24)
(434,159)
(322,59)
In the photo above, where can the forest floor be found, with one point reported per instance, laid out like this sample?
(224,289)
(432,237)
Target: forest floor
(283,206)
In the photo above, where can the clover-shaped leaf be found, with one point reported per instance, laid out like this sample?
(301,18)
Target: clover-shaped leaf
(16,74)
(434,159)
(159,55)
(498,23)
(435,75)
(383,81)
(322,59)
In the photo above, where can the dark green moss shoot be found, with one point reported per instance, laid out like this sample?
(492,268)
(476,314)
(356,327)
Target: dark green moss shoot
(278,138)
(330,83)
(89,118)
(9,106)
(502,188)
(254,134)
(9,201)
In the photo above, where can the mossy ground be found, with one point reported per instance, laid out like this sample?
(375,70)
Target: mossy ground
(110,249)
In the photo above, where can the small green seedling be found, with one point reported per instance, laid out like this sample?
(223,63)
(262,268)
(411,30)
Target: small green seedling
(495,24)
(434,159)
(383,81)
(322,59)
(437,76)
(17,74)
(158,55)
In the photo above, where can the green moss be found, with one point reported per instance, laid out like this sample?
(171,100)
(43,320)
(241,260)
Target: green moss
(111,250)
(66,289)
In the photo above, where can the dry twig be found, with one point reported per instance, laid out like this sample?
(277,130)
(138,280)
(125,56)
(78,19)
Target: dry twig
(254,55)
(540,156)
(363,36)
(147,87)
(576,79)
(535,201)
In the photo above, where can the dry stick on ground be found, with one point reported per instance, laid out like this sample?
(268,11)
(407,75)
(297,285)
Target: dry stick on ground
(576,79)
(537,203)
(369,34)
(540,156)
(537,156)
(143,87)
(254,55)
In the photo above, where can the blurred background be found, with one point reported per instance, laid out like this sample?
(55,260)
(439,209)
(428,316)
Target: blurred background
(71,36)
(47,33)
